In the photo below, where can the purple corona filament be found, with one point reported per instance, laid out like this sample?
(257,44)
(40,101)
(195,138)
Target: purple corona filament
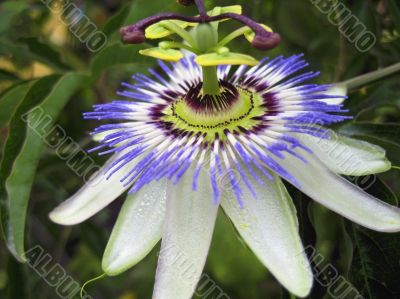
(148,130)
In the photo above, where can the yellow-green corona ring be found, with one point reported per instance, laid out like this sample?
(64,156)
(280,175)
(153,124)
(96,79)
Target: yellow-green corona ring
(233,108)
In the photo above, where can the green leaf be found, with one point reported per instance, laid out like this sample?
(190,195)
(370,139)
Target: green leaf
(23,147)
(28,50)
(388,132)
(115,21)
(395,11)
(44,53)
(380,94)
(9,10)
(380,189)
(386,135)
(141,9)
(133,12)
(17,52)
(10,100)
(374,269)
(8,76)
(117,54)
(17,282)
(375,265)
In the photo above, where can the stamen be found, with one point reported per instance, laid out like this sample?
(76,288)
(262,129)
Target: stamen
(263,40)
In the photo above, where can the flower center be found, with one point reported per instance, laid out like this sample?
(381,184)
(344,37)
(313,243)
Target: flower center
(233,109)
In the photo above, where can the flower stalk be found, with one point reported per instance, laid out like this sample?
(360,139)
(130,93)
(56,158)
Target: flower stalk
(360,81)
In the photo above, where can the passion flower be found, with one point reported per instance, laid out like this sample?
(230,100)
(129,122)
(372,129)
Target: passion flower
(196,135)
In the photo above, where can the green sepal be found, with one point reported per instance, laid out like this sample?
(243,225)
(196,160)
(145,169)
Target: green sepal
(163,54)
(215,59)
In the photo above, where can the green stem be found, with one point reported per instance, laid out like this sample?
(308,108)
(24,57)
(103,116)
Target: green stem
(90,281)
(210,81)
(363,80)
(235,34)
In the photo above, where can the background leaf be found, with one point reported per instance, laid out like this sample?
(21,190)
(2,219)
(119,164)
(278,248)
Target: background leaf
(9,10)
(44,53)
(118,54)
(41,62)
(376,257)
(10,100)
(22,151)
(386,135)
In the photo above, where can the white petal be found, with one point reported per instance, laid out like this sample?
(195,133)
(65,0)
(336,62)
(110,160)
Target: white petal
(346,155)
(95,195)
(269,226)
(339,90)
(138,228)
(341,196)
(188,228)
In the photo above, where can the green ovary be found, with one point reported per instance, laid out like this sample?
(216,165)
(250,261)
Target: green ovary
(240,113)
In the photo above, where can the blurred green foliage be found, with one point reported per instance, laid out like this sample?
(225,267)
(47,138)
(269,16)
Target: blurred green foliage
(42,62)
